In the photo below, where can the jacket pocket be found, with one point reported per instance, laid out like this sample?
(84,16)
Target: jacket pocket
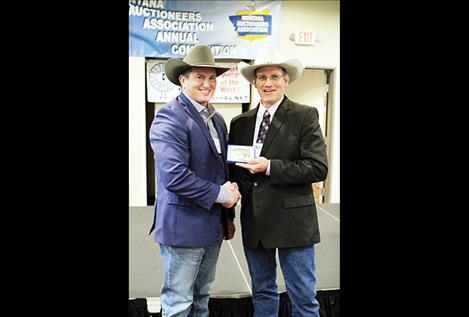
(300,201)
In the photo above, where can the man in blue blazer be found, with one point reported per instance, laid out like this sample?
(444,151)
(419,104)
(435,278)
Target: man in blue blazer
(194,207)
(278,212)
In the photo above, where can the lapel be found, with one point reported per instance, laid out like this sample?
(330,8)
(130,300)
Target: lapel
(190,109)
(277,121)
(218,124)
(250,126)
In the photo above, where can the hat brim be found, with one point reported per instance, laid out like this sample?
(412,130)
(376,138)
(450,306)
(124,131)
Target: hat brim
(293,67)
(175,67)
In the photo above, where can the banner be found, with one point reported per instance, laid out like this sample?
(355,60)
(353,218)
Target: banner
(233,29)
(231,86)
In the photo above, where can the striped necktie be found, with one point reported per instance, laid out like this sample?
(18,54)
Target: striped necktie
(264,127)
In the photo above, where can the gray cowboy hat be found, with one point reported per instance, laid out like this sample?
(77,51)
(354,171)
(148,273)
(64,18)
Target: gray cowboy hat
(199,56)
(269,56)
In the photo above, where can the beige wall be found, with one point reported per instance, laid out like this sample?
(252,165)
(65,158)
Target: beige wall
(322,18)
(137,133)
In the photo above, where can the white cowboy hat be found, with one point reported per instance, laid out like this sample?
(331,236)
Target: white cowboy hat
(269,56)
(200,56)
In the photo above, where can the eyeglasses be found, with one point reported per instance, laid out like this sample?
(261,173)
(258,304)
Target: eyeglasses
(274,78)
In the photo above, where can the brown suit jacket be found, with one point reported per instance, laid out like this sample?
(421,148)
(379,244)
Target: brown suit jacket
(279,210)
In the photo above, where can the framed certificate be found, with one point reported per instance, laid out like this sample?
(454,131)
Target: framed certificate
(239,153)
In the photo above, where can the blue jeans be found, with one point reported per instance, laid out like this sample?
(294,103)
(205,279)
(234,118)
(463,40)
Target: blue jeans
(187,275)
(298,270)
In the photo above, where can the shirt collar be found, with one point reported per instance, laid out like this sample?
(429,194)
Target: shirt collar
(209,110)
(271,109)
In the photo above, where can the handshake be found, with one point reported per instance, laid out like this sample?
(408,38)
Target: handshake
(233,194)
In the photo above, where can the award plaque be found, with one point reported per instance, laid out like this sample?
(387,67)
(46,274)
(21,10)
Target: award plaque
(239,153)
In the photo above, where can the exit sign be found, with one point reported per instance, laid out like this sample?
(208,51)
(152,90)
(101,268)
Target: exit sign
(305,38)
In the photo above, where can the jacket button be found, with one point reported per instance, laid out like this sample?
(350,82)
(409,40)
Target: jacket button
(255,184)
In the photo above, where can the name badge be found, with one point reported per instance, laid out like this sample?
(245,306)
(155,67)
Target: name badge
(217,144)
(258,149)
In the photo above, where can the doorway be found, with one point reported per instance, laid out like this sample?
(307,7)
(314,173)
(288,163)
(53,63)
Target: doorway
(314,88)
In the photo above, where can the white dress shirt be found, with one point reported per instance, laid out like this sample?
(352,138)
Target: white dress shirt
(259,118)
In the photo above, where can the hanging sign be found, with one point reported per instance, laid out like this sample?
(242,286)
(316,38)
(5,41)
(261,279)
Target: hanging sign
(231,87)
(233,29)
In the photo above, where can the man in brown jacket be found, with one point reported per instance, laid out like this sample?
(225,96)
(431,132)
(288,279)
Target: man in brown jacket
(278,211)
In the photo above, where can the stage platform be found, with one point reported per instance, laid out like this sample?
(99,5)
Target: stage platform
(232,277)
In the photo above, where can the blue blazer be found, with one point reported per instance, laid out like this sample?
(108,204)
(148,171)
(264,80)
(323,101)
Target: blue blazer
(189,172)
